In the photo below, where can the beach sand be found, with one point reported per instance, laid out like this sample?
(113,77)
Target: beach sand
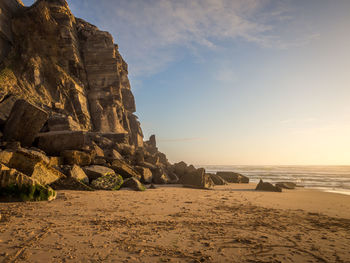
(174,224)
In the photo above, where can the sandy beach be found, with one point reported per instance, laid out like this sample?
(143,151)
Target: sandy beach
(173,224)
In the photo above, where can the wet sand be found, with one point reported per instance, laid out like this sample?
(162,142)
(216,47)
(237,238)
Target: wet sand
(173,224)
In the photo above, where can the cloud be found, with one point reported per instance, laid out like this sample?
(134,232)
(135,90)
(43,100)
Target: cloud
(153,33)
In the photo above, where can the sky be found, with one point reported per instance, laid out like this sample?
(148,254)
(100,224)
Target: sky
(236,82)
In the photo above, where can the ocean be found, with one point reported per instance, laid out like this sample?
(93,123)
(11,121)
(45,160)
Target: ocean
(326,178)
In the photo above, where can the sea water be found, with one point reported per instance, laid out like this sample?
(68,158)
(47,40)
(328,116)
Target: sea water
(327,178)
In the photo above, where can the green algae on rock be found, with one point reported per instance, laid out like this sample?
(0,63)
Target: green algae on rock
(134,184)
(108,182)
(16,185)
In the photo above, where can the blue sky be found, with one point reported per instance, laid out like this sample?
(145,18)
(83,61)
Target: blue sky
(236,82)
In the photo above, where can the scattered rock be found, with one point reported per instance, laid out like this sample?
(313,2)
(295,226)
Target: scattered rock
(97,171)
(264,186)
(173,178)
(53,143)
(55,161)
(5,156)
(6,107)
(70,183)
(18,185)
(76,157)
(232,177)
(35,166)
(146,174)
(77,173)
(134,184)
(111,155)
(197,179)
(61,122)
(159,176)
(124,169)
(24,122)
(180,168)
(108,182)
(217,180)
(99,161)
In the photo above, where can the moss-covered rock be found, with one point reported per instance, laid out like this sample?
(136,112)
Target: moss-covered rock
(108,182)
(134,184)
(14,184)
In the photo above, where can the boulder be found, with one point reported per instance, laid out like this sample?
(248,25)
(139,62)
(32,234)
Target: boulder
(99,161)
(14,184)
(124,169)
(180,168)
(159,176)
(97,150)
(12,145)
(197,179)
(190,169)
(116,138)
(6,107)
(146,174)
(60,122)
(24,122)
(173,178)
(232,177)
(77,173)
(102,142)
(148,165)
(55,161)
(264,186)
(134,184)
(139,156)
(80,158)
(125,150)
(217,180)
(97,171)
(53,143)
(34,166)
(108,182)
(153,159)
(70,183)
(5,156)
(286,185)
(111,154)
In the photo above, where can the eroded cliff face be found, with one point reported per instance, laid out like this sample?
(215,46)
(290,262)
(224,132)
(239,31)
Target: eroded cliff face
(69,68)
(66,103)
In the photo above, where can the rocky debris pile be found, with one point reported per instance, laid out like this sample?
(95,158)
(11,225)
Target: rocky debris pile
(265,186)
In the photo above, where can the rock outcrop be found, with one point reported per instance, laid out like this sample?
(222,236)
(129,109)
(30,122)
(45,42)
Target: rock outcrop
(232,177)
(67,67)
(7,9)
(67,112)
(265,186)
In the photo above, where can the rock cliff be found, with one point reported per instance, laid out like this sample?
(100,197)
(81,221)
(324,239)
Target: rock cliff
(67,67)
(67,111)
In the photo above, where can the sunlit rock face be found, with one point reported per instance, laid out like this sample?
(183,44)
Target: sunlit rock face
(7,9)
(66,66)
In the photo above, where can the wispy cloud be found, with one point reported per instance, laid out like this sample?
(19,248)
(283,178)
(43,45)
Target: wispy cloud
(152,33)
